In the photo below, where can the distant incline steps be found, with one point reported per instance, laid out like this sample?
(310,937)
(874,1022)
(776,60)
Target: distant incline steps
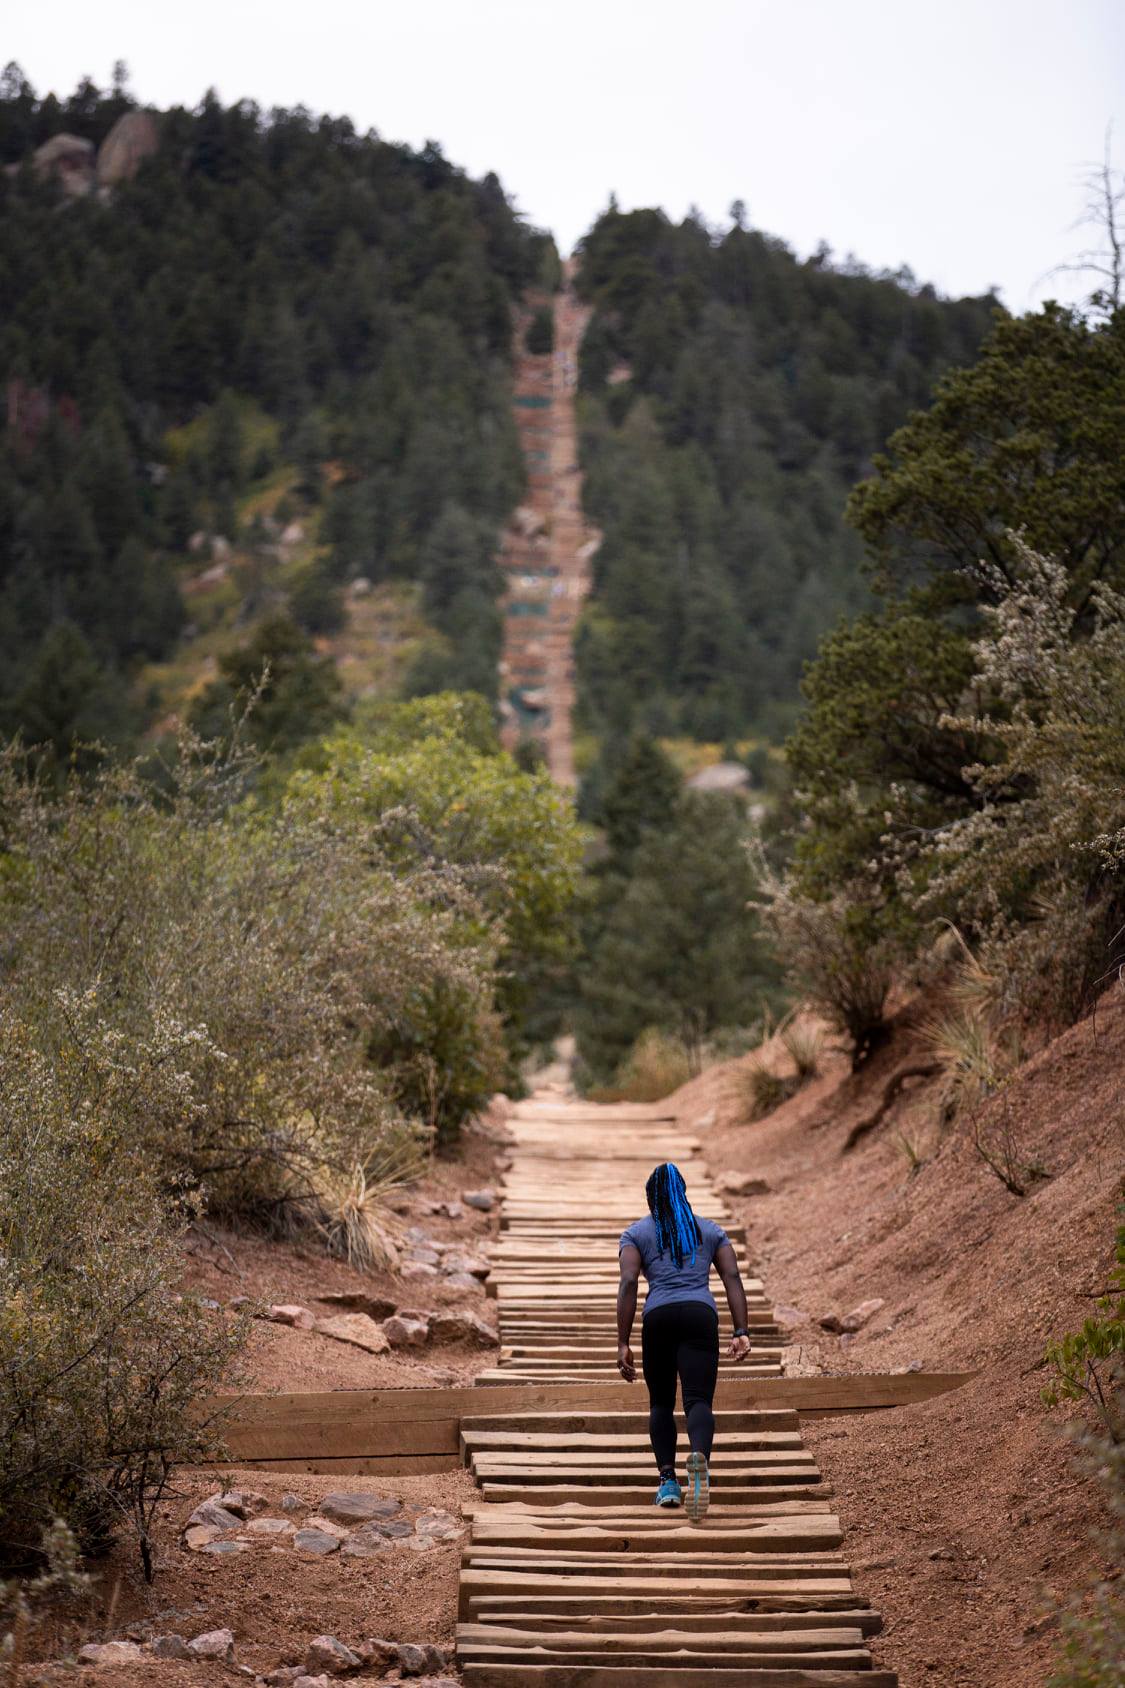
(571,1576)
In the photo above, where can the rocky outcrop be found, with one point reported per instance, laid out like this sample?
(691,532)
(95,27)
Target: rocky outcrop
(70,160)
(134,137)
(79,167)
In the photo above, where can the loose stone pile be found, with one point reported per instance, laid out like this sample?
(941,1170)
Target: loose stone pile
(326,1659)
(354,1525)
(377,1325)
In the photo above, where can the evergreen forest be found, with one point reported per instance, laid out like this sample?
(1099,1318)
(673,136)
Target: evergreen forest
(275,319)
(732,396)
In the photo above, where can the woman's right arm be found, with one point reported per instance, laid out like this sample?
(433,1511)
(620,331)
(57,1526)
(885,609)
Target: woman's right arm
(726,1262)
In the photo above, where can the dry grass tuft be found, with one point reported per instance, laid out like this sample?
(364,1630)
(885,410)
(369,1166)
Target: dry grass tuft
(803,1042)
(354,1213)
(656,1065)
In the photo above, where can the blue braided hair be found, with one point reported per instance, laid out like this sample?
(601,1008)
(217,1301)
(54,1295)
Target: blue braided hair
(677,1229)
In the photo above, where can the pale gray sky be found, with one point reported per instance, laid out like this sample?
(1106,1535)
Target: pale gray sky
(946,134)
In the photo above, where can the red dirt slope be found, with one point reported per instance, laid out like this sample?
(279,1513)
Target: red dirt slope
(965,1514)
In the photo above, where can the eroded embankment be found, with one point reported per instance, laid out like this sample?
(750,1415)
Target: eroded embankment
(964,1514)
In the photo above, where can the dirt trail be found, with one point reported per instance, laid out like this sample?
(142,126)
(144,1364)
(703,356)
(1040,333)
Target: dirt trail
(548,547)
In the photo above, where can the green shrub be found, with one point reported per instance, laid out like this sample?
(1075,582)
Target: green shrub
(283,938)
(1031,870)
(1089,1364)
(100,1357)
(833,955)
(428,780)
(443,1056)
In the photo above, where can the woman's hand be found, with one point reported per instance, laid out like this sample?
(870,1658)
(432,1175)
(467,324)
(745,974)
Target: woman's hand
(625,1361)
(738,1349)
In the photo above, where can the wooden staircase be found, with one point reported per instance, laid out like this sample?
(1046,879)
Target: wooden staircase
(571,1576)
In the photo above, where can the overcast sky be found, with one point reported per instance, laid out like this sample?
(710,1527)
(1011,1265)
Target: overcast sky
(946,134)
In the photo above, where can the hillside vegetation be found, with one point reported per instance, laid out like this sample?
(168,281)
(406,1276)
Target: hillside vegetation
(272,941)
(732,395)
(278,332)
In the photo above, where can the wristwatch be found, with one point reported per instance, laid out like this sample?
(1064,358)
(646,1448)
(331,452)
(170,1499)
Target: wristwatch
(745,1333)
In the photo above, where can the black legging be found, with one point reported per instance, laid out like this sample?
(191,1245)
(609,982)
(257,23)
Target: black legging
(680,1339)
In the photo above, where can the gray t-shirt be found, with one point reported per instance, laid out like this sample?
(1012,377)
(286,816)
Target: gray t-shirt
(667,1281)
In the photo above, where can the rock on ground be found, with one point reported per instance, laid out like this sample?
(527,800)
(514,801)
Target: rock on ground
(213,1644)
(483,1200)
(299,1317)
(354,1328)
(855,1320)
(110,1653)
(211,1512)
(169,1647)
(312,1540)
(270,1527)
(462,1327)
(439,1524)
(357,1509)
(742,1184)
(377,1307)
(327,1654)
(406,1333)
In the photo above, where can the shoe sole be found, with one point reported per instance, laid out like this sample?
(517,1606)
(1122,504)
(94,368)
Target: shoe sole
(699,1487)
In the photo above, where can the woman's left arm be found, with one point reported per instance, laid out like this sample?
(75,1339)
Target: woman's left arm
(630,1259)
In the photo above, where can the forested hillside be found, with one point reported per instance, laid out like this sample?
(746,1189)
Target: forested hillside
(275,337)
(733,395)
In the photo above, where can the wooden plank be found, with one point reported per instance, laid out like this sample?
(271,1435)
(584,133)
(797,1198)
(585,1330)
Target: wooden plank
(349,1465)
(494,1522)
(642,1657)
(797,1534)
(500,1376)
(686,1622)
(711,1559)
(742,1588)
(494,1675)
(637,1442)
(367,1423)
(677,1606)
(618,1459)
(586,1422)
(776,1466)
(664,1636)
(723,1494)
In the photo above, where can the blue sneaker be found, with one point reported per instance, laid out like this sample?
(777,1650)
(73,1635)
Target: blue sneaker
(669,1493)
(699,1487)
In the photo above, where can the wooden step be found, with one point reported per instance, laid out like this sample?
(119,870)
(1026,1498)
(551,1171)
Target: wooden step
(723,1494)
(795,1534)
(492,1674)
(598,1622)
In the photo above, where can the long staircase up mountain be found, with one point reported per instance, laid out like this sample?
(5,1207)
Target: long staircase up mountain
(572,1577)
(548,547)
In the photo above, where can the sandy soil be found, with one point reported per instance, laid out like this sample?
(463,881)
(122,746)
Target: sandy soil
(964,1515)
